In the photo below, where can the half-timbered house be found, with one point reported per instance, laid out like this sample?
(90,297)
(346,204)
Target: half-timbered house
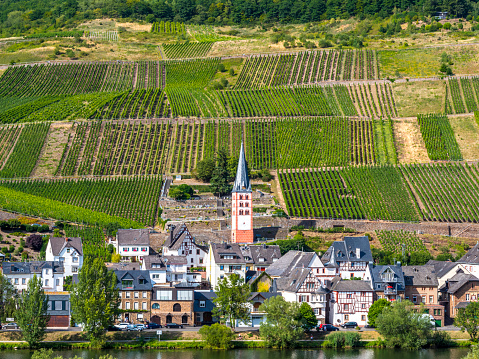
(350,301)
(180,242)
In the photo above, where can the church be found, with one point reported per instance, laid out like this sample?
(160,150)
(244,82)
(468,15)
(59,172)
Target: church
(242,204)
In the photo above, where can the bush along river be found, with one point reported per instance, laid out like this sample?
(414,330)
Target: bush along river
(449,353)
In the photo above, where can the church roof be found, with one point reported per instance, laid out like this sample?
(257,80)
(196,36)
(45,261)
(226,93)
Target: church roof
(242,183)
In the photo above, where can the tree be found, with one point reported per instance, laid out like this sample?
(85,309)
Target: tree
(283,322)
(182,192)
(308,318)
(473,354)
(402,327)
(468,319)
(220,178)
(8,296)
(204,169)
(94,299)
(217,336)
(31,314)
(112,228)
(34,241)
(232,300)
(232,167)
(376,309)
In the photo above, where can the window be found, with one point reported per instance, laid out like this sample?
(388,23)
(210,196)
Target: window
(155,306)
(363,318)
(467,297)
(135,249)
(144,294)
(202,303)
(323,270)
(184,319)
(184,295)
(316,311)
(164,295)
(246,197)
(246,212)
(16,282)
(431,299)
(136,306)
(363,306)
(222,267)
(75,259)
(74,269)
(346,307)
(177,307)
(349,296)
(198,251)
(346,318)
(191,260)
(437,311)
(127,294)
(137,295)
(68,250)
(24,281)
(57,282)
(127,305)
(379,297)
(201,260)
(46,271)
(139,316)
(47,282)
(126,249)
(156,276)
(414,299)
(423,299)
(144,249)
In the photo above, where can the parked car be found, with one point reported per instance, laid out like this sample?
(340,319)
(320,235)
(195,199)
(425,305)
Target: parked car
(173,325)
(10,326)
(135,327)
(122,326)
(153,326)
(113,328)
(140,327)
(349,325)
(326,328)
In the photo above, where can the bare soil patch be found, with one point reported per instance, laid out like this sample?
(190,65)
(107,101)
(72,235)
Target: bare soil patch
(409,143)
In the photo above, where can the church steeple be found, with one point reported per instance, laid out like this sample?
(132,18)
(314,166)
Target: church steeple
(242,183)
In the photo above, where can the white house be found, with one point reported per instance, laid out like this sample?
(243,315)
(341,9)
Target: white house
(350,301)
(20,273)
(133,244)
(349,258)
(69,251)
(224,259)
(180,242)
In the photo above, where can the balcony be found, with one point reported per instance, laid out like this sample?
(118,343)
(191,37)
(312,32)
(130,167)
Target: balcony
(390,291)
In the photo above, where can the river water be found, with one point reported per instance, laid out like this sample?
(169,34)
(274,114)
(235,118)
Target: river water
(453,353)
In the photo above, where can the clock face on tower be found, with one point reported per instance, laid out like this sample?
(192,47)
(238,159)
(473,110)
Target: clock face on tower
(244,223)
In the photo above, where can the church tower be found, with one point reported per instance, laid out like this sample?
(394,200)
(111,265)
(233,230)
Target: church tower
(242,201)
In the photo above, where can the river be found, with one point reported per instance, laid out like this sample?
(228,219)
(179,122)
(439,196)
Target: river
(452,353)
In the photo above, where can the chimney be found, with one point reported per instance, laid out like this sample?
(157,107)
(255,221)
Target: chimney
(358,253)
(66,239)
(172,228)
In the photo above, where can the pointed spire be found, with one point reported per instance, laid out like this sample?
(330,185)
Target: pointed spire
(242,183)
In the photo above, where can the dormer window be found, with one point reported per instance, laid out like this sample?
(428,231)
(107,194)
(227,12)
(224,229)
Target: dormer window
(261,259)
(68,250)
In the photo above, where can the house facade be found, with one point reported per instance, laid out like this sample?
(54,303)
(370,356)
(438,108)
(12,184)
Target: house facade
(133,244)
(461,290)
(69,251)
(173,304)
(20,273)
(180,242)
(258,258)
(387,282)
(203,307)
(350,301)
(224,259)
(58,308)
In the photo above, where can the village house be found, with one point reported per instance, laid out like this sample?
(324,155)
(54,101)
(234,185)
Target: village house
(224,259)
(20,273)
(203,307)
(459,291)
(349,257)
(422,289)
(260,257)
(387,281)
(135,289)
(173,304)
(180,242)
(445,270)
(69,251)
(350,301)
(470,261)
(58,308)
(133,244)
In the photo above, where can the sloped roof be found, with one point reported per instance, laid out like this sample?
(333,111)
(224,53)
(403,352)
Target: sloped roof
(293,281)
(175,260)
(220,249)
(136,275)
(291,260)
(264,295)
(31,267)
(459,280)
(472,256)
(443,267)
(420,276)
(133,237)
(154,262)
(176,236)
(59,243)
(351,286)
(377,271)
(346,250)
(242,183)
(252,254)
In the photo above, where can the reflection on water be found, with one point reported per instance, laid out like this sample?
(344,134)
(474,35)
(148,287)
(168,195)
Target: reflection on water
(453,353)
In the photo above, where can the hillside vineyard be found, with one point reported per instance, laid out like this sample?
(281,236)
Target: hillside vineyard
(326,122)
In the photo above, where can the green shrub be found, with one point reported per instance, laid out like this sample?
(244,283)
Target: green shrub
(343,339)
(217,336)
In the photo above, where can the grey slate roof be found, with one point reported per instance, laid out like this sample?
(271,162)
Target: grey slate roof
(291,260)
(442,267)
(123,266)
(154,262)
(346,250)
(420,276)
(459,280)
(31,267)
(175,260)
(220,249)
(242,183)
(58,243)
(176,236)
(462,305)
(377,271)
(208,297)
(351,286)
(134,275)
(293,281)
(472,256)
(133,237)
(264,295)
(252,254)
